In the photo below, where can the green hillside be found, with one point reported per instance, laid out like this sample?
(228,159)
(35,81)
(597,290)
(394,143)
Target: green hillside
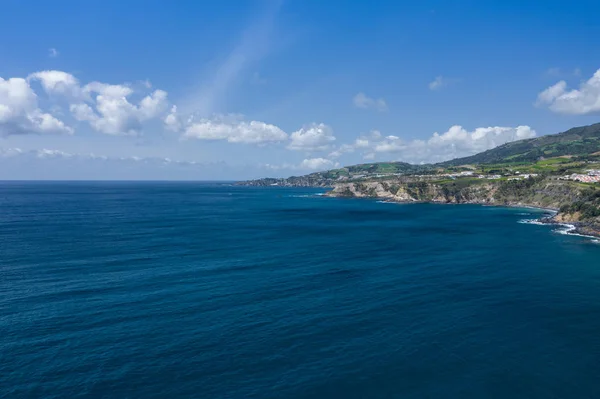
(578,141)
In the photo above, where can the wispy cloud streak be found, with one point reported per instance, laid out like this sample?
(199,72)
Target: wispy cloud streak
(254,45)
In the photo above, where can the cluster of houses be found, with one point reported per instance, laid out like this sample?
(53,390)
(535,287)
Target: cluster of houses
(469,173)
(517,176)
(523,176)
(592,176)
(362,176)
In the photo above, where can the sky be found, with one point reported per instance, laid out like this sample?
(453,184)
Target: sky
(241,89)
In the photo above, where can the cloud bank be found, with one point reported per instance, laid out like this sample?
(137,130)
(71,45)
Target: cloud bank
(455,143)
(110,109)
(105,107)
(253,132)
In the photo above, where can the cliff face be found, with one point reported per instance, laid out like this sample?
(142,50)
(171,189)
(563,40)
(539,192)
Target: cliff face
(540,193)
(416,192)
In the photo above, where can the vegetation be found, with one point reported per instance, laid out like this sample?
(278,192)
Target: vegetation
(588,206)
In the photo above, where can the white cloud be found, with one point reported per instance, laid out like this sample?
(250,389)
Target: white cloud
(361,143)
(235,131)
(343,149)
(315,137)
(45,153)
(108,90)
(389,144)
(582,101)
(455,143)
(361,100)
(52,53)
(551,93)
(153,105)
(316,164)
(309,164)
(114,113)
(10,152)
(438,83)
(83,112)
(172,121)
(369,156)
(58,83)
(20,114)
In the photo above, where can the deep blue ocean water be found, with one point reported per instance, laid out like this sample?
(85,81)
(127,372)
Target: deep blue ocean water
(154,290)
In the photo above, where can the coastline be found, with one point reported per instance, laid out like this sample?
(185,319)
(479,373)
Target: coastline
(573,228)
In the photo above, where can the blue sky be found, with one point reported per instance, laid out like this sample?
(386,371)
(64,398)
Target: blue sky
(243,89)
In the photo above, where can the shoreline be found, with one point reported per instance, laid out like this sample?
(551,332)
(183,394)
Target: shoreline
(578,229)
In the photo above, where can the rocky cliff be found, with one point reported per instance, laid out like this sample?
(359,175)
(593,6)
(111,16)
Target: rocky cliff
(415,192)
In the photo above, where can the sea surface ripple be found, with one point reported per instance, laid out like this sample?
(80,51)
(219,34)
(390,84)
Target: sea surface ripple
(207,290)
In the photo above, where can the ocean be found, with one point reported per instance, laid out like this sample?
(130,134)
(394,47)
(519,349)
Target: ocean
(209,290)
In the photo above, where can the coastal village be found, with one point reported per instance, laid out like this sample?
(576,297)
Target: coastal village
(592,176)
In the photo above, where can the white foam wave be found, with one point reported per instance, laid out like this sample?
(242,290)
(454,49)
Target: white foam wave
(568,229)
(532,221)
(535,208)
(306,195)
(565,229)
